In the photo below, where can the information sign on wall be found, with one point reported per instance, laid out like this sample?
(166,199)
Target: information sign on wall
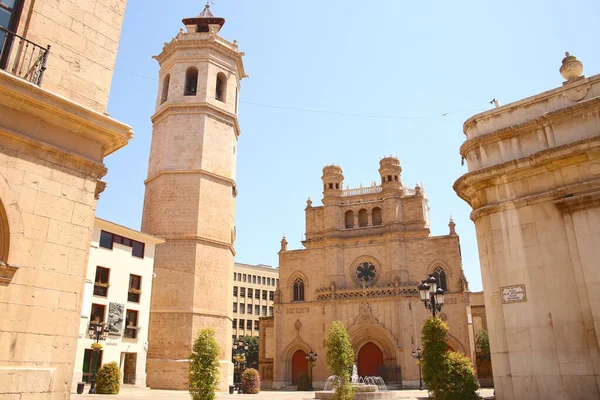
(513,294)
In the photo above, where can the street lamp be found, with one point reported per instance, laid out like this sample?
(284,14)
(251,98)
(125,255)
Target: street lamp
(239,356)
(417,356)
(97,331)
(312,359)
(431,295)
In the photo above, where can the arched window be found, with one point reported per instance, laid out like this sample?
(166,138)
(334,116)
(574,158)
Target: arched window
(376,215)
(191,81)
(165,89)
(440,275)
(349,219)
(221,87)
(363,219)
(298,289)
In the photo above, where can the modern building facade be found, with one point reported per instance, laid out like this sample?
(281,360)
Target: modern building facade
(117,292)
(366,252)
(533,182)
(190,198)
(56,65)
(254,289)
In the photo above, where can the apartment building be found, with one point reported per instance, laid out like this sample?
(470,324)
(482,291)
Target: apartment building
(253,297)
(117,292)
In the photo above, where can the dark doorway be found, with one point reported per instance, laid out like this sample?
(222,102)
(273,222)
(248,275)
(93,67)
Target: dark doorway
(129,368)
(299,365)
(370,358)
(88,362)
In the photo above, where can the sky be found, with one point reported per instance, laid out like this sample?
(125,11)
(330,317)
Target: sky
(348,82)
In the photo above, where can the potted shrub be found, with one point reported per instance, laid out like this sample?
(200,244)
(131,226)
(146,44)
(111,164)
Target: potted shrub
(108,379)
(250,381)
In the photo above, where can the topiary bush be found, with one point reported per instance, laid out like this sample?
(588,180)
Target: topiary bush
(340,359)
(460,381)
(108,379)
(303,382)
(434,336)
(448,375)
(204,366)
(250,381)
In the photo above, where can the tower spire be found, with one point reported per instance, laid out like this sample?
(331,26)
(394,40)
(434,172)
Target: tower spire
(203,20)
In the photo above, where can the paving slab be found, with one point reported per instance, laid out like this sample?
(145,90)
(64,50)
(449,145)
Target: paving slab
(132,393)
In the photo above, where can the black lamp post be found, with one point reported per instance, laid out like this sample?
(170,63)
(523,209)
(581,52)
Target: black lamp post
(312,359)
(239,356)
(417,356)
(97,331)
(432,295)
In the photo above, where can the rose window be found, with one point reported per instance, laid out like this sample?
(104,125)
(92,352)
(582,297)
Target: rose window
(365,273)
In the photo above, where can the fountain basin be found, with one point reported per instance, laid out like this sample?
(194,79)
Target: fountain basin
(326,395)
(362,388)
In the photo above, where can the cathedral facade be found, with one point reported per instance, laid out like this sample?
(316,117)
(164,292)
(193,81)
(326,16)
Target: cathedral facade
(365,253)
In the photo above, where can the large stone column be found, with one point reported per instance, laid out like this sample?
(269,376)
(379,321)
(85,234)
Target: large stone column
(534,185)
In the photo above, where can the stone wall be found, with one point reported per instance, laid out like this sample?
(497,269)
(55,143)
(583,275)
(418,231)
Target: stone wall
(84,38)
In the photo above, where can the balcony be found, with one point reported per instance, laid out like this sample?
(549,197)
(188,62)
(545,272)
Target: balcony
(22,57)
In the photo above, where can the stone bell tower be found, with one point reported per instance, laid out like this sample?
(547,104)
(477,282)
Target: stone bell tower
(190,198)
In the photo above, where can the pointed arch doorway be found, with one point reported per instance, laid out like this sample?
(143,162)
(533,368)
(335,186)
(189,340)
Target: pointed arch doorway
(370,358)
(299,365)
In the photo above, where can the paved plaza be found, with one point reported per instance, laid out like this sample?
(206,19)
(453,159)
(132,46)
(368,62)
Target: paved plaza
(140,393)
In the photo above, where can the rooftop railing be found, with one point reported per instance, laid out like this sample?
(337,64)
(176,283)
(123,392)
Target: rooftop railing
(22,57)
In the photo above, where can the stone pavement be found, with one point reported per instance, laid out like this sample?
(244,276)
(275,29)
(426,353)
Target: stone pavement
(142,394)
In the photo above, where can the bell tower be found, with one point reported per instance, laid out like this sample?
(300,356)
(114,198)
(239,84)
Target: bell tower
(190,198)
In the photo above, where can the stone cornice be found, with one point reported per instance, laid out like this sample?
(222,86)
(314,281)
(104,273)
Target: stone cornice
(544,96)
(564,192)
(572,203)
(199,238)
(36,101)
(195,108)
(364,236)
(469,185)
(74,160)
(577,109)
(222,179)
(212,42)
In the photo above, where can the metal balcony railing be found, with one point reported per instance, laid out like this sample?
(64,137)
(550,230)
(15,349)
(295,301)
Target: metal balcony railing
(22,57)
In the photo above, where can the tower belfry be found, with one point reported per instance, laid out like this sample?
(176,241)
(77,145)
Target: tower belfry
(190,197)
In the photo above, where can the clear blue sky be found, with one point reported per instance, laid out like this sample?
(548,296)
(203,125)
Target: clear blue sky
(408,61)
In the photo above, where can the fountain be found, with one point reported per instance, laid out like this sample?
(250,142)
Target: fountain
(367,387)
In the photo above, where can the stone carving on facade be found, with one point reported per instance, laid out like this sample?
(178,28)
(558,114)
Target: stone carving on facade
(401,289)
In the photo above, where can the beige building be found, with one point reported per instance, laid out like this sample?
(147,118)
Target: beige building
(190,198)
(117,292)
(56,65)
(366,251)
(253,294)
(534,184)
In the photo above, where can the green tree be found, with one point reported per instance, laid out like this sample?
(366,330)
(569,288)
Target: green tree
(252,353)
(434,337)
(204,366)
(108,379)
(483,344)
(448,375)
(339,359)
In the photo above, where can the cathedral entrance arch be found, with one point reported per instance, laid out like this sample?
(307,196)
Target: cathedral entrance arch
(370,359)
(299,365)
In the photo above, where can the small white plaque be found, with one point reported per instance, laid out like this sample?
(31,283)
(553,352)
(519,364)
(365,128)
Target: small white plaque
(513,294)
